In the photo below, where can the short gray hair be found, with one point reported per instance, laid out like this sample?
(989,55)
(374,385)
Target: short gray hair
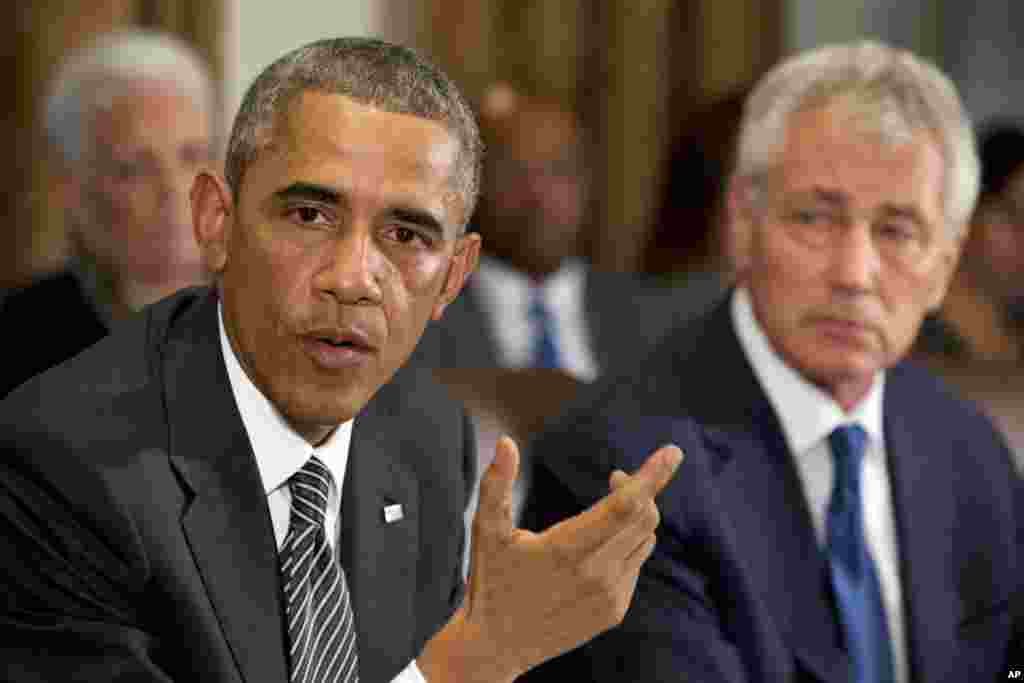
(896,91)
(94,75)
(370,71)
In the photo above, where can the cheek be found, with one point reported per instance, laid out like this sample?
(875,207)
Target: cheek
(415,283)
(123,202)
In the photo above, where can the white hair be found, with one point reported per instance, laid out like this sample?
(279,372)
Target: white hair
(91,77)
(890,90)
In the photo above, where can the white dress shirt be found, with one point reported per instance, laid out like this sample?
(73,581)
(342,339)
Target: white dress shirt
(808,416)
(505,295)
(280,452)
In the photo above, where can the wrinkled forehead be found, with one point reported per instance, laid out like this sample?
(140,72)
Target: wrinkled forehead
(330,138)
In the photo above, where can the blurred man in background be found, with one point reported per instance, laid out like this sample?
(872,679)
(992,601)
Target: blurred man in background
(851,520)
(130,119)
(534,302)
(982,316)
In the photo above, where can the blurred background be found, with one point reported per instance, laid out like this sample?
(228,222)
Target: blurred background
(657,85)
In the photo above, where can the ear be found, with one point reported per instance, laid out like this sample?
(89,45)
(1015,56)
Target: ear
(739,224)
(213,215)
(464,262)
(945,268)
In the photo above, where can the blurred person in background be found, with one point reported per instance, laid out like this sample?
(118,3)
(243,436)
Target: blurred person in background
(130,121)
(982,316)
(534,302)
(690,237)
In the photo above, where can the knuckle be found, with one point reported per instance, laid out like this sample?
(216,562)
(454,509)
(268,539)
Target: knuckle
(562,557)
(625,507)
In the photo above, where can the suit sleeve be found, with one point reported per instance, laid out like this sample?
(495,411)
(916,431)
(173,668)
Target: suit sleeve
(677,626)
(71,576)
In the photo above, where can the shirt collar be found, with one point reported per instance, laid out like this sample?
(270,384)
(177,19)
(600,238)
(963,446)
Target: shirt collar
(498,278)
(279,450)
(807,414)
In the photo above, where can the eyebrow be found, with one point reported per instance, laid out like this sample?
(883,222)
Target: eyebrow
(839,200)
(304,190)
(905,212)
(829,196)
(326,195)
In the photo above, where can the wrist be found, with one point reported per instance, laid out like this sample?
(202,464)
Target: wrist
(459,653)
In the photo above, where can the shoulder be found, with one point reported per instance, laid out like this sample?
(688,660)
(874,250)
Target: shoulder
(101,397)
(919,393)
(420,412)
(963,437)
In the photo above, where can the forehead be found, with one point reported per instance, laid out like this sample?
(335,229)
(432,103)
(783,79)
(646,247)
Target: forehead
(825,151)
(535,131)
(361,151)
(147,108)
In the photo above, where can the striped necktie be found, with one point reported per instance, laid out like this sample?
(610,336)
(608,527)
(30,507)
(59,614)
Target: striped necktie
(321,623)
(854,578)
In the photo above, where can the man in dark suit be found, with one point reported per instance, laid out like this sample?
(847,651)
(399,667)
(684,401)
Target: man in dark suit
(130,120)
(175,500)
(534,302)
(849,519)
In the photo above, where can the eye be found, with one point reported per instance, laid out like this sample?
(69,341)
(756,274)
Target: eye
(308,215)
(807,216)
(897,232)
(406,235)
(127,169)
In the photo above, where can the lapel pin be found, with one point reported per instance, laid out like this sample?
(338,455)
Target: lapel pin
(393,513)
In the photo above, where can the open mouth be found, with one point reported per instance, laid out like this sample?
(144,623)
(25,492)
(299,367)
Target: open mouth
(338,344)
(338,349)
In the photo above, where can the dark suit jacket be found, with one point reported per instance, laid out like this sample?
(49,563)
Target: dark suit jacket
(135,536)
(625,314)
(737,588)
(43,325)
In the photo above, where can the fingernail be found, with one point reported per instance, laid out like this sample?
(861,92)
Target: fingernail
(672,459)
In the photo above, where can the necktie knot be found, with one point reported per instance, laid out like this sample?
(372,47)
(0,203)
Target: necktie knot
(310,486)
(848,443)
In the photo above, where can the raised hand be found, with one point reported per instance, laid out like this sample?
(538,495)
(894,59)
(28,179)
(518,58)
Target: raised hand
(533,596)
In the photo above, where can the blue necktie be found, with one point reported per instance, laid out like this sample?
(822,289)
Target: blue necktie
(544,352)
(854,579)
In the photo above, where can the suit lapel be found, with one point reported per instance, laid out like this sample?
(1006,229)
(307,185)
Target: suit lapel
(920,466)
(759,486)
(227,523)
(379,556)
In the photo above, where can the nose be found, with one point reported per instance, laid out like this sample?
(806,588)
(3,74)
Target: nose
(351,273)
(855,259)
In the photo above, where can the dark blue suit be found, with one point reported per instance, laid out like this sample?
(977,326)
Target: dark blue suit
(737,588)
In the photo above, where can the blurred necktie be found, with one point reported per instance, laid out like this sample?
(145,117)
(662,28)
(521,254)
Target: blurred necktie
(854,578)
(321,623)
(544,351)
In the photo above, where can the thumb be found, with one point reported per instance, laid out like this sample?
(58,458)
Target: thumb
(494,511)
(617,480)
